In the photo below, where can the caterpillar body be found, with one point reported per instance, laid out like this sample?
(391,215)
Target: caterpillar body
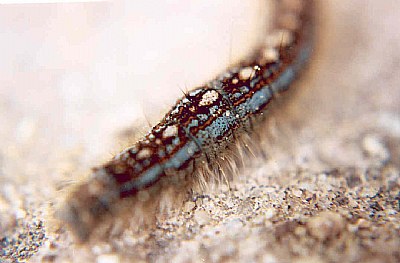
(201,129)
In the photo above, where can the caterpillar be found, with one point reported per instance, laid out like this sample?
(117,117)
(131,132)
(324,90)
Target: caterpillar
(202,128)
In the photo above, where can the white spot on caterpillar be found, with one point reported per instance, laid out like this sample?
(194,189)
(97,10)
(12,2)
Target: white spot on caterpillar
(143,154)
(208,98)
(133,149)
(246,73)
(170,131)
(195,92)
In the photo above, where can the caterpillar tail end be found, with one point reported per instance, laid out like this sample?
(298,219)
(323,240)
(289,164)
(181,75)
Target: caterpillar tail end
(86,207)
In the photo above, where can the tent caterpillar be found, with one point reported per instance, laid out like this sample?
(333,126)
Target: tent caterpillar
(204,127)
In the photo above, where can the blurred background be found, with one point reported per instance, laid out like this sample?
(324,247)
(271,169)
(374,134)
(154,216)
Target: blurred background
(74,76)
(77,72)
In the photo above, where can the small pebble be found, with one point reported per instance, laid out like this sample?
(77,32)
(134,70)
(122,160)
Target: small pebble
(202,217)
(269,213)
(326,225)
(297,192)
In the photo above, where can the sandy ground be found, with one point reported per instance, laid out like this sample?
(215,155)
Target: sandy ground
(75,77)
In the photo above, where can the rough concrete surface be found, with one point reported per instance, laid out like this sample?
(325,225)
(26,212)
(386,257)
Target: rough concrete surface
(328,189)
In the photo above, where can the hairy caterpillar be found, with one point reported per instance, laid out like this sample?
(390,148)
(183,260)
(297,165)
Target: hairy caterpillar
(204,127)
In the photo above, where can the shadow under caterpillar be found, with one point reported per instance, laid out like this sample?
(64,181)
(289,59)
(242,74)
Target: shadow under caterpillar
(203,128)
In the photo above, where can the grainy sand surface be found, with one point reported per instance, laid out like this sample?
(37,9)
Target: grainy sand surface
(327,191)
